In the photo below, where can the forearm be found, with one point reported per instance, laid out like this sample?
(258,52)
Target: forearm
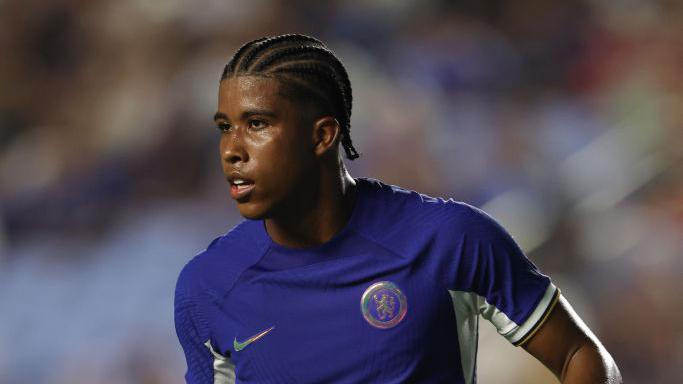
(590,363)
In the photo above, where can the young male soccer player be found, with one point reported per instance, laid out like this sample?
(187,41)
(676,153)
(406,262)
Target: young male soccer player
(333,279)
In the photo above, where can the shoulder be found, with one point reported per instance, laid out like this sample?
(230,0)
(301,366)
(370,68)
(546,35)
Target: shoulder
(394,206)
(213,271)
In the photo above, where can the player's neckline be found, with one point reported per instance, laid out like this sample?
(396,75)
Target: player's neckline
(341,234)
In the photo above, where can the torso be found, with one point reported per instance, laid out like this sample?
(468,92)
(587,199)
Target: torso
(303,308)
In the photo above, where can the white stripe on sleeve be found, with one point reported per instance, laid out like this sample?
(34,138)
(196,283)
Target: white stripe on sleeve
(223,368)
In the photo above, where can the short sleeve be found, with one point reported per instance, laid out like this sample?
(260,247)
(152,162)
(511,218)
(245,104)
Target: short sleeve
(204,365)
(499,282)
(197,356)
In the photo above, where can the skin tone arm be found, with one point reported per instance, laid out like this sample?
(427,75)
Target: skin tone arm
(571,351)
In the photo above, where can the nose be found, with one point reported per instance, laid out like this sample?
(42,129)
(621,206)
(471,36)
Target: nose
(232,147)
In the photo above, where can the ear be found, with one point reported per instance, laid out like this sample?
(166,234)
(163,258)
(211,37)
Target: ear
(326,132)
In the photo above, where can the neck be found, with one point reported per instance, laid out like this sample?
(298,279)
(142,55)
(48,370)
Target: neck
(316,219)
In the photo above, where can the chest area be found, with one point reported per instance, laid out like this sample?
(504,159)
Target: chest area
(370,318)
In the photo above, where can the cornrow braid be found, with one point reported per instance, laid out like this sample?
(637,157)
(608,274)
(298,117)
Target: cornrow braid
(230,68)
(307,65)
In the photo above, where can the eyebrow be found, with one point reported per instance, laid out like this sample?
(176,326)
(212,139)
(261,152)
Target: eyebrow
(245,115)
(220,116)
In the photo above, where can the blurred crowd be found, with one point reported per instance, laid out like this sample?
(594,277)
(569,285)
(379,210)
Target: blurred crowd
(562,119)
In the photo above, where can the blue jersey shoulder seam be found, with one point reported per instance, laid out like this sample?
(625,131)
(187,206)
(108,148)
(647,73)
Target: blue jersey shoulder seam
(378,243)
(239,275)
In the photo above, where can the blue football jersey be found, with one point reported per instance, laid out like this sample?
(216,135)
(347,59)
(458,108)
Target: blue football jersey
(393,297)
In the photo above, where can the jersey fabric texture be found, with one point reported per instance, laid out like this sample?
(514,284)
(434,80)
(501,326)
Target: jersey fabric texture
(393,297)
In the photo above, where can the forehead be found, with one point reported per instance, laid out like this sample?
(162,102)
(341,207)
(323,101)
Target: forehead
(244,92)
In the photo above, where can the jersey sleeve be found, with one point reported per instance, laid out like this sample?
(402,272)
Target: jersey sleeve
(496,280)
(204,365)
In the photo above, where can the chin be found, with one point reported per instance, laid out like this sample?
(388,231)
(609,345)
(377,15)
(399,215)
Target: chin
(252,211)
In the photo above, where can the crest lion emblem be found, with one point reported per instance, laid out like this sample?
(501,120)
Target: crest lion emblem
(383,305)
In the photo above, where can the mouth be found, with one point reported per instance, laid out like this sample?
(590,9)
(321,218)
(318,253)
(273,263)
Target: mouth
(240,188)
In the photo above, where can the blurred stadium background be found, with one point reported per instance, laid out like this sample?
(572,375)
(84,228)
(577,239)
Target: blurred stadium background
(563,119)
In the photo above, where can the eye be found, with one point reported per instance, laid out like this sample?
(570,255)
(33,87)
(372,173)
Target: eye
(223,126)
(257,124)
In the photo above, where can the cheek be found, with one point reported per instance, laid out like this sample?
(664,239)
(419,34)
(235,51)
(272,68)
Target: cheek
(283,163)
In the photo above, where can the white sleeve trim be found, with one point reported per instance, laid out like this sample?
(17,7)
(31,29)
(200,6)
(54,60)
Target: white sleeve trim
(223,367)
(513,332)
(519,334)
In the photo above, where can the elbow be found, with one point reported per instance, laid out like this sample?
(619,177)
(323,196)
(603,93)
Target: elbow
(591,363)
(612,373)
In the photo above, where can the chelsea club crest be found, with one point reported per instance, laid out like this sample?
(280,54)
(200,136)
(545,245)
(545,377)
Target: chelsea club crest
(383,305)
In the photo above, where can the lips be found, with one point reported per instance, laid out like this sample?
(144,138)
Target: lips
(240,187)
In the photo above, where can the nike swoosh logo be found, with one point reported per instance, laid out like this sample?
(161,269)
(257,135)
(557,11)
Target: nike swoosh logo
(241,345)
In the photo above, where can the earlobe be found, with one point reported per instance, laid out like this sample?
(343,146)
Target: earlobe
(325,134)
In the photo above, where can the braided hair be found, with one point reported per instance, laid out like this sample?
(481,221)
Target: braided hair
(307,68)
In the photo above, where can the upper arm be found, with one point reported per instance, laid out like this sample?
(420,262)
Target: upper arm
(558,337)
(565,345)
(204,364)
(197,356)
